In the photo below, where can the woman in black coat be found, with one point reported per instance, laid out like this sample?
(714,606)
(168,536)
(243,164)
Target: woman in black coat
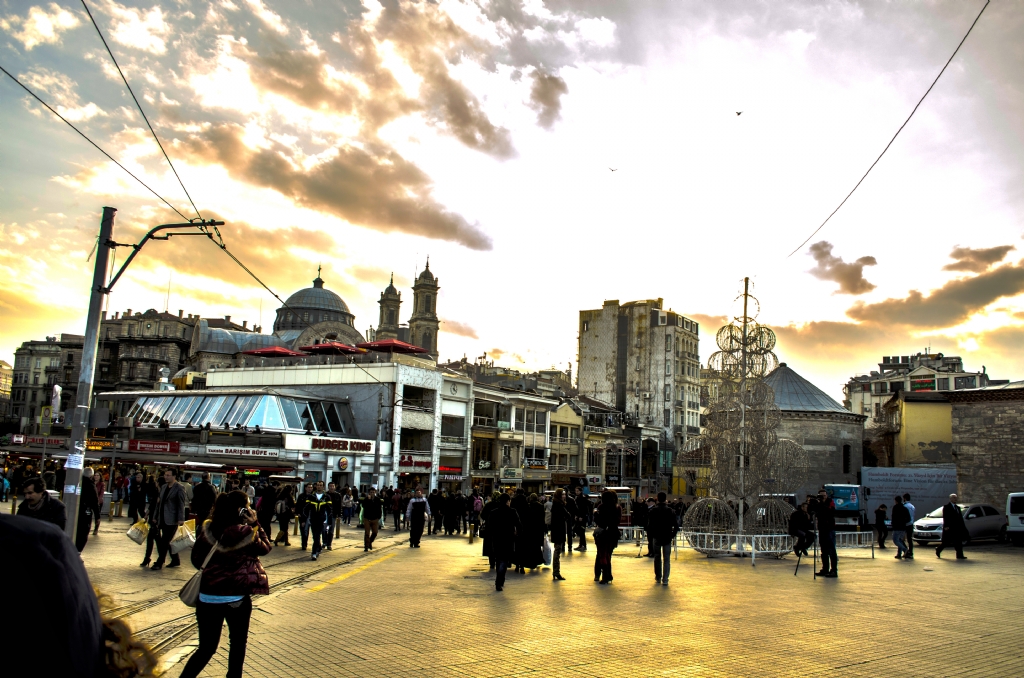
(502,527)
(560,519)
(485,530)
(530,541)
(606,536)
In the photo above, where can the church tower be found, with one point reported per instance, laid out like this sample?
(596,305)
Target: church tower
(390,302)
(423,323)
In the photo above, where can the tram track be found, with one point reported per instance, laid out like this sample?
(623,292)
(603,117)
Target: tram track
(169,633)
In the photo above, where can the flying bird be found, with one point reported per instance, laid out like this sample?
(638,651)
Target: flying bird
(614,170)
(739,112)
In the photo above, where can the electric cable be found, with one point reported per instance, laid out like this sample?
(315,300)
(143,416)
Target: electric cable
(93,143)
(897,132)
(139,106)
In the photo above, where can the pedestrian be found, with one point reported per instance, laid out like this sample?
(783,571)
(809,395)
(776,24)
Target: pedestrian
(170,514)
(416,514)
(5,486)
(825,514)
(900,518)
(203,496)
(335,529)
(137,499)
(584,509)
(316,512)
(451,514)
(910,525)
(372,511)
(488,545)
(249,490)
(99,490)
(559,521)
(300,511)
(802,529)
(153,534)
(88,509)
(396,509)
(606,535)
(434,522)
(661,530)
(462,510)
(638,520)
(284,509)
(501,527)
(38,503)
(529,552)
(232,576)
(475,506)
(880,527)
(346,506)
(954,530)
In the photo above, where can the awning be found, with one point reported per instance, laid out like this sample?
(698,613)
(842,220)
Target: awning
(332,348)
(273,352)
(391,346)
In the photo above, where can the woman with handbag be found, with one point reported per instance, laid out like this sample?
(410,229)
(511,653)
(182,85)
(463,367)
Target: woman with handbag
(606,535)
(227,551)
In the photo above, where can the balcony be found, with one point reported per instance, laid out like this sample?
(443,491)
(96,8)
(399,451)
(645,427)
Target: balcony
(563,468)
(602,429)
(418,405)
(452,441)
(595,470)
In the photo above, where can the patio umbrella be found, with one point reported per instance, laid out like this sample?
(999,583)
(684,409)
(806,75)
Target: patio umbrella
(273,352)
(391,346)
(333,348)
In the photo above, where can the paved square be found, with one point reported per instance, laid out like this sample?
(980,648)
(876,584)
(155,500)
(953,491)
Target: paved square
(434,611)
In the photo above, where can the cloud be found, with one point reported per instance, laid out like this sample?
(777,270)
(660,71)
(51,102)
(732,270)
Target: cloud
(951,304)
(976,260)
(546,97)
(498,354)
(457,328)
(137,29)
(371,186)
(850,276)
(40,27)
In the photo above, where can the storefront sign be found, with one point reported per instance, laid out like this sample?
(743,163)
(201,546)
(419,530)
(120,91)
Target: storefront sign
(99,445)
(251,472)
(43,440)
(456,470)
(262,452)
(293,441)
(343,463)
(922,384)
(17,439)
(414,461)
(451,478)
(509,473)
(164,446)
(593,480)
(482,474)
(536,475)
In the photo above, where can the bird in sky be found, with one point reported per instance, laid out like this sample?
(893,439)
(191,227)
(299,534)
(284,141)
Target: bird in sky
(739,112)
(613,170)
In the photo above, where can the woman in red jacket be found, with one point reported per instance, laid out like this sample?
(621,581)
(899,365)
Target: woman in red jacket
(233,575)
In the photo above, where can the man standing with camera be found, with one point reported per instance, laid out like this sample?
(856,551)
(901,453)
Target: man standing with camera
(825,513)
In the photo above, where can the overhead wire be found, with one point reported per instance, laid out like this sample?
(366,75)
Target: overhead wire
(920,101)
(93,143)
(139,106)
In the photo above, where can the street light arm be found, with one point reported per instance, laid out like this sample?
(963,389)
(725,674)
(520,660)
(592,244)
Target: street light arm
(152,236)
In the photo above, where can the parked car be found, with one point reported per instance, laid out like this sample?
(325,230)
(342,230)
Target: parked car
(983,521)
(1015,517)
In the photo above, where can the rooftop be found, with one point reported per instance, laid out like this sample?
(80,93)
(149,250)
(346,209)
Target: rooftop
(793,393)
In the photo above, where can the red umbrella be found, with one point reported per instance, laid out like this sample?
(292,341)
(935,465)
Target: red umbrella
(392,346)
(273,352)
(332,347)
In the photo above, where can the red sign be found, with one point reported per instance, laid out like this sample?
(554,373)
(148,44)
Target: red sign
(456,470)
(164,446)
(409,460)
(341,445)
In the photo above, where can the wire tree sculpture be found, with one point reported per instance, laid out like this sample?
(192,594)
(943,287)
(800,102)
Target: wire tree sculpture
(745,456)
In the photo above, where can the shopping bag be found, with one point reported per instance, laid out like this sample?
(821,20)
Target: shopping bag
(190,525)
(547,550)
(183,539)
(137,532)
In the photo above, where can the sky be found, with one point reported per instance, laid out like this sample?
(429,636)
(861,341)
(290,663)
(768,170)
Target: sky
(545,156)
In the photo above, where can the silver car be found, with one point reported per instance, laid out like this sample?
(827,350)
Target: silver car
(983,521)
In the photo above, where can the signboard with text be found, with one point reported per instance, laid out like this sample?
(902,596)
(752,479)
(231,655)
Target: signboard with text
(294,441)
(46,440)
(160,446)
(254,452)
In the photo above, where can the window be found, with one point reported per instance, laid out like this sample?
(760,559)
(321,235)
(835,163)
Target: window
(35,377)
(990,511)
(586,325)
(846,458)
(391,316)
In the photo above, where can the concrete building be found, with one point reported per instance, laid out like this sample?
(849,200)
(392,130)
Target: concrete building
(6,379)
(867,394)
(644,361)
(918,429)
(988,441)
(37,366)
(831,435)
(423,324)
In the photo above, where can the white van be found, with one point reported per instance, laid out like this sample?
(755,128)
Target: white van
(1015,517)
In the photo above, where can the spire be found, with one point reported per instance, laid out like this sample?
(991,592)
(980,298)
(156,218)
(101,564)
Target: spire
(318,281)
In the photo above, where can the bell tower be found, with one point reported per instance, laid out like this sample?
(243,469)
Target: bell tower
(390,303)
(423,324)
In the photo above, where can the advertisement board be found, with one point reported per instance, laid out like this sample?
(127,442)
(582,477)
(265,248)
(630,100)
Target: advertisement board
(929,487)
(162,446)
(260,452)
(846,497)
(294,441)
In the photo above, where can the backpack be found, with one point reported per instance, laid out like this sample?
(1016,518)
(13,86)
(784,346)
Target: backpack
(280,507)
(478,504)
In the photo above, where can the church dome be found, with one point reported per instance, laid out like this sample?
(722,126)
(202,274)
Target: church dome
(317,298)
(310,306)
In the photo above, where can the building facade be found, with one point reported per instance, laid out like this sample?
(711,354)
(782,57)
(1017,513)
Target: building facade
(6,379)
(645,362)
(918,429)
(867,394)
(37,368)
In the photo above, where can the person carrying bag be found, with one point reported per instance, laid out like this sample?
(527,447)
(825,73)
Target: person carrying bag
(227,553)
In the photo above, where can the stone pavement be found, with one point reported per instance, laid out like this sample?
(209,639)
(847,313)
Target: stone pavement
(434,611)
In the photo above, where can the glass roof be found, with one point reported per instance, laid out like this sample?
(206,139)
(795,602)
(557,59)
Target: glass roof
(223,411)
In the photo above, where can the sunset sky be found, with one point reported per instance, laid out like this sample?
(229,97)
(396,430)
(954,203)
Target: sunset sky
(367,136)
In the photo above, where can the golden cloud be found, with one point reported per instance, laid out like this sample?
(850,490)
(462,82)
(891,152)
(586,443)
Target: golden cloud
(459,329)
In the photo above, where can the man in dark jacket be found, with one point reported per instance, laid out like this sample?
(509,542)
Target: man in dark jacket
(170,512)
(638,519)
(88,509)
(373,511)
(434,500)
(502,527)
(300,504)
(203,496)
(661,530)
(136,498)
(900,519)
(335,529)
(954,530)
(584,509)
(416,514)
(825,512)
(40,505)
(800,526)
(317,511)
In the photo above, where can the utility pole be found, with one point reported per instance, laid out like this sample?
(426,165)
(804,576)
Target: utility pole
(83,398)
(743,412)
(376,447)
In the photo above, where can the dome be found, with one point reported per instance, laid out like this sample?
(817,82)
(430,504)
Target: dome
(317,298)
(390,289)
(793,393)
(426,275)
